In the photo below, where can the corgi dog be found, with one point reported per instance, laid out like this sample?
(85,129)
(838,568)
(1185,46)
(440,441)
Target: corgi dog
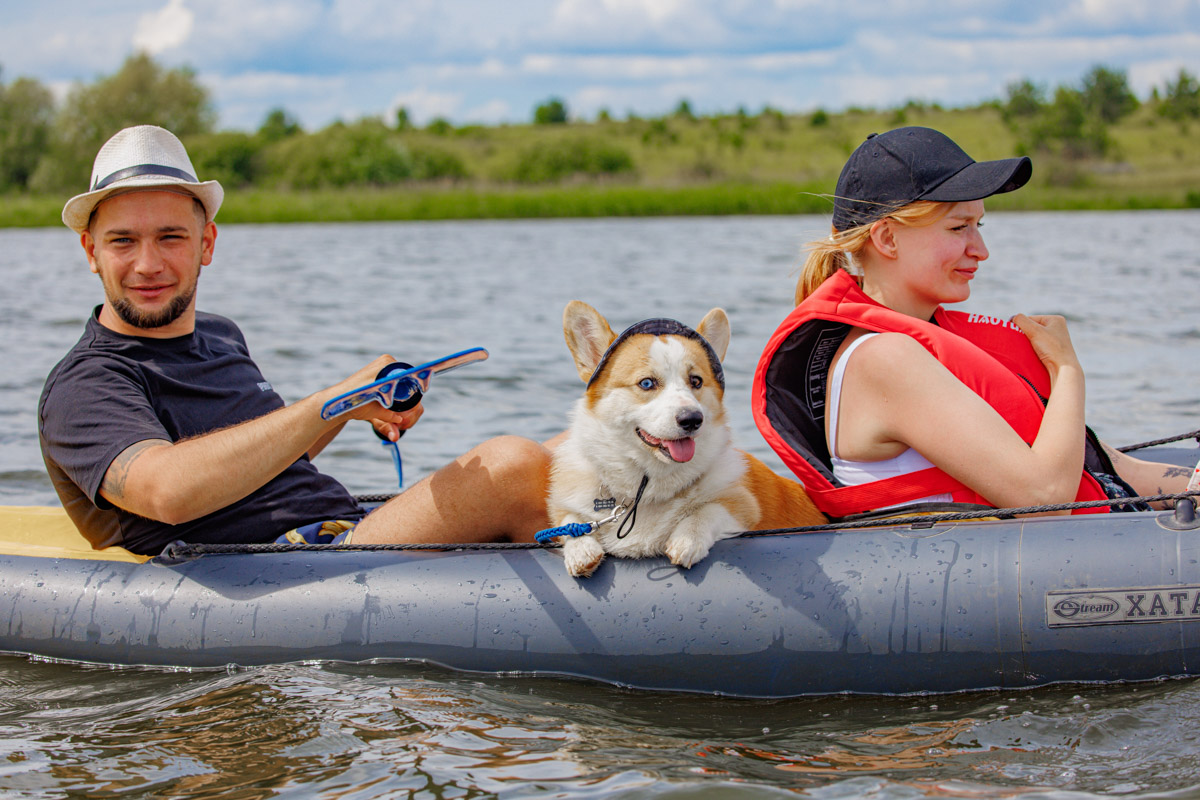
(648,465)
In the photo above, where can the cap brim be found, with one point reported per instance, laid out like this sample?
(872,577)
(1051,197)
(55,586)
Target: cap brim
(78,210)
(982,179)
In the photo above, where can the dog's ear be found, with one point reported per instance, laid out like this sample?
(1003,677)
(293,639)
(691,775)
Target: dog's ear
(715,330)
(588,335)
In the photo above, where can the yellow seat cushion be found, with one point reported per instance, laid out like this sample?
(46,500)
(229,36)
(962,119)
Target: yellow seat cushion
(47,532)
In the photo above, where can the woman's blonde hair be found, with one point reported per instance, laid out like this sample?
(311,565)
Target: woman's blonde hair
(842,249)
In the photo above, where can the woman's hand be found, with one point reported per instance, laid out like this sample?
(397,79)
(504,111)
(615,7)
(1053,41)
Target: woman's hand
(1050,339)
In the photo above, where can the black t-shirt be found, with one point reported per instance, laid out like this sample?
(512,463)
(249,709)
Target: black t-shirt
(112,391)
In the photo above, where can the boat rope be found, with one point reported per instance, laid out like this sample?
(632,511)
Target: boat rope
(1190,435)
(183,550)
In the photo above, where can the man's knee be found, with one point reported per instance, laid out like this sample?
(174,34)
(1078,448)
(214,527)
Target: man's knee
(514,454)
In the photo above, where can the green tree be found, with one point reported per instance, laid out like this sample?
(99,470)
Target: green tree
(278,124)
(553,161)
(551,112)
(1181,98)
(684,110)
(231,157)
(1023,99)
(26,112)
(403,120)
(141,92)
(365,153)
(1066,126)
(1106,94)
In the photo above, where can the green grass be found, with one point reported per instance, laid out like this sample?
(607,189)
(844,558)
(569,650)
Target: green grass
(733,164)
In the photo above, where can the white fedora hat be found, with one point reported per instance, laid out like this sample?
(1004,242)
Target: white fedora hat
(139,158)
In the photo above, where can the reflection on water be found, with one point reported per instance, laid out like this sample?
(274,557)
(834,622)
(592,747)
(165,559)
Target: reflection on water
(388,730)
(317,301)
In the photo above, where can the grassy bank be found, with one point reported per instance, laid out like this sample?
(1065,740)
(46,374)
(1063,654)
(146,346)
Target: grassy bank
(735,164)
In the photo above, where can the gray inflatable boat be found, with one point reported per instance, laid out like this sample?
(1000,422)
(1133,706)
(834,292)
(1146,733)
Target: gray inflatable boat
(898,608)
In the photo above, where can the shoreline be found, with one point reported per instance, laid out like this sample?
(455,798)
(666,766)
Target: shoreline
(442,202)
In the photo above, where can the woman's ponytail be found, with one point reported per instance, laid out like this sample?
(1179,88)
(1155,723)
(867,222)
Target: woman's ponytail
(826,256)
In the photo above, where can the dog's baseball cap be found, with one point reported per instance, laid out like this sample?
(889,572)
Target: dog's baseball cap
(139,158)
(890,170)
(661,327)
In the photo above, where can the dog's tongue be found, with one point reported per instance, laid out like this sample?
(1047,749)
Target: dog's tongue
(680,449)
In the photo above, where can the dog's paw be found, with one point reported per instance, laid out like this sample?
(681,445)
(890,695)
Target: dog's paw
(582,554)
(691,540)
(687,549)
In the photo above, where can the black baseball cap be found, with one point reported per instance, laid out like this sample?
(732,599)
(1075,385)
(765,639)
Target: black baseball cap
(890,170)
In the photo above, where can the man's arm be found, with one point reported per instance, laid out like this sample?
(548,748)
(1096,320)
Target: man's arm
(1149,477)
(181,481)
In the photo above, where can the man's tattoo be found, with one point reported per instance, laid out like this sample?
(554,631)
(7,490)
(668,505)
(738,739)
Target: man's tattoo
(1176,472)
(115,477)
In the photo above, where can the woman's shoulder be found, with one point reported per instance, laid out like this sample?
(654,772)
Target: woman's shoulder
(884,344)
(887,356)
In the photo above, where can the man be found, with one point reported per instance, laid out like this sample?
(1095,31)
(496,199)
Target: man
(157,426)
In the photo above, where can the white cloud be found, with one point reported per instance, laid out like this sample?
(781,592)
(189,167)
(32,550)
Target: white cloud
(1117,13)
(165,29)
(619,23)
(482,60)
(618,67)
(492,112)
(424,105)
(255,34)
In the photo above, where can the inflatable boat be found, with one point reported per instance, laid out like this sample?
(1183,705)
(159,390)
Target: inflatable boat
(903,606)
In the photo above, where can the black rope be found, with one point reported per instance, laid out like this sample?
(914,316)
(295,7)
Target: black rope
(1192,434)
(182,550)
(928,520)
(374,498)
(631,516)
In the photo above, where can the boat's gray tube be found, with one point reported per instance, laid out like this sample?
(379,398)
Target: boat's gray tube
(971,605)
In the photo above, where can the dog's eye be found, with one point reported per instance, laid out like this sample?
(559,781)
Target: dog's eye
(697,381)
(647,383)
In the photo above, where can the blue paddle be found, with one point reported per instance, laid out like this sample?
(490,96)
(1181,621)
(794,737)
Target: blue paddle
(399,387)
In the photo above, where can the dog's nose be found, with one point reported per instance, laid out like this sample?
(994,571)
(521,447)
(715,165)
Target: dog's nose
(690,421)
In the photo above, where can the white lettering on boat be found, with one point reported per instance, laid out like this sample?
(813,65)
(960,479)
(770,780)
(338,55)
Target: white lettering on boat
(1122,606)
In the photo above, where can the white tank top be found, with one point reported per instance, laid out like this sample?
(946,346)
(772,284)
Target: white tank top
(856,473)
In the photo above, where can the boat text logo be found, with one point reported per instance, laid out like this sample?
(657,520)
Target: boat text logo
(1135,604)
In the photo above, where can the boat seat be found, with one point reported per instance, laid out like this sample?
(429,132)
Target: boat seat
(47,532)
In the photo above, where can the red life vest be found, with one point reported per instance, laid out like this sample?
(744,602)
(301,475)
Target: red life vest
(990,356)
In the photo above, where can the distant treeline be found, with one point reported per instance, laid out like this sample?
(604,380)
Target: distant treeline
(46,148)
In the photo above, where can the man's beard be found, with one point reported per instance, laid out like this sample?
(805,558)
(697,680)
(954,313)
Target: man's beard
(130,315)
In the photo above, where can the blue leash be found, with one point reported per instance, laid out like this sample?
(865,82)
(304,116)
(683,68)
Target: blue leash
(570,529)
(574,529)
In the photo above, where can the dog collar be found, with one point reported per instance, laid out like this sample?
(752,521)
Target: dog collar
(661,327)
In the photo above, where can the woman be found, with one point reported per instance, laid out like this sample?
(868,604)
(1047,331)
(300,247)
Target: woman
(878,397)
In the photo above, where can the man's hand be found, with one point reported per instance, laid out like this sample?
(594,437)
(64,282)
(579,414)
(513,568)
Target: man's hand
(176,482)
(386,422)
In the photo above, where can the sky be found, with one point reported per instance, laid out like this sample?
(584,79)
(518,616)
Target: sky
(494,61)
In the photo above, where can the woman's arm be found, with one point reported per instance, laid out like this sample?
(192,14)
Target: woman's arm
(897,395)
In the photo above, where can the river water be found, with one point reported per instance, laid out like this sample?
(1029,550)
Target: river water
(318,301)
